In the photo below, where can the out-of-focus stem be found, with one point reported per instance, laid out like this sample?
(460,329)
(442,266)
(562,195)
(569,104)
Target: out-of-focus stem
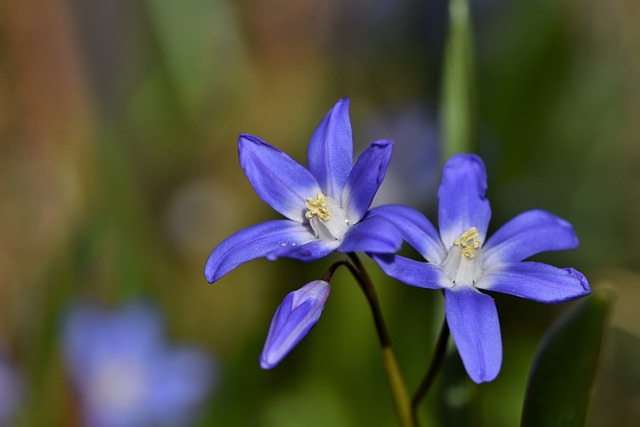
(457,110)
(436,363)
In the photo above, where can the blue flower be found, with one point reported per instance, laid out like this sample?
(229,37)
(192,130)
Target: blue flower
(294,318)
(126,375)
(11,389)
(325,205)
(461,261)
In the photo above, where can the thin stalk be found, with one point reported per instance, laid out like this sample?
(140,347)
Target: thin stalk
(399,391)
(436,363)
(328,275)
(457,112)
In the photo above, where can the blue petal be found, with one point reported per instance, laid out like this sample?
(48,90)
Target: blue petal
(294,318)
(91,333)
(416,229)
(411,272)
(278,179)
(254,242)
(79,333)
(536,281)
(473,320)
(365,179)
(462,202)
(330,151)
(527,234)
(310,251)
(373,235)
(180,381)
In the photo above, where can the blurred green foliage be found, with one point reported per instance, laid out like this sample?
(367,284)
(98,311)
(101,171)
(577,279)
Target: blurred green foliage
(564,369)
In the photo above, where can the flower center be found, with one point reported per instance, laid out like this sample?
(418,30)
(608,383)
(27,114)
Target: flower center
(326,217)
(463,265)
(318,207)
(469,242)
(119,384)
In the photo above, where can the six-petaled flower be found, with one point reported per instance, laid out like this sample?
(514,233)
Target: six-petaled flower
(326,205)
(462,261)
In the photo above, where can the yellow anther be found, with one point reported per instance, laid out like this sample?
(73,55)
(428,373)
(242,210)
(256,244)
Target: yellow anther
(318,207)
(469,242)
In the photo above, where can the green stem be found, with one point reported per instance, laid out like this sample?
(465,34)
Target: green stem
(457,100)
(434,367)
(399,391)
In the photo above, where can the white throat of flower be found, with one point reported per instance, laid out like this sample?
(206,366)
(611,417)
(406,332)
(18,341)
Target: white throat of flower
(119,384)
(326,217)
(463,265)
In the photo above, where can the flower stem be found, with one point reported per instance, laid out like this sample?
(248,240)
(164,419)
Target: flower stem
(328,275)
(399,391)
(457,101)
(434,367)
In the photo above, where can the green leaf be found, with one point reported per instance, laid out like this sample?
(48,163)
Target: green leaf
(565,366)
(457,393)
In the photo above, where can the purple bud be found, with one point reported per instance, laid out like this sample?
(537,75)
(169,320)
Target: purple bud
(294,318)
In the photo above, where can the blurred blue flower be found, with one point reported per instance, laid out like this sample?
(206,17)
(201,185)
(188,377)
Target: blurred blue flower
(326,205)
(124,372)
(413,176)
(11,389)
(460,264)
(294,318)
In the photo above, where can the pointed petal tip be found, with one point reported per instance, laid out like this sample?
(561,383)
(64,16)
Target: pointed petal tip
(213,275)
(471,165)
(245,138)
(572,241)
(211,271)
(386,147)
(209,276)
(536,281)
(581,278)
(343,102)
(267,364)
(465,158)
(253,242)
(575,292)
(483,377)
(384,143)
(341,108)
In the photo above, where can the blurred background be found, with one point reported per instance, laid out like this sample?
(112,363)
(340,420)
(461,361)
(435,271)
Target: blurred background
(118,175)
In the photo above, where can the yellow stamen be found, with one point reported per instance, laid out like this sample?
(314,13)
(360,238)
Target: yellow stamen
(469,242)
(318,207)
